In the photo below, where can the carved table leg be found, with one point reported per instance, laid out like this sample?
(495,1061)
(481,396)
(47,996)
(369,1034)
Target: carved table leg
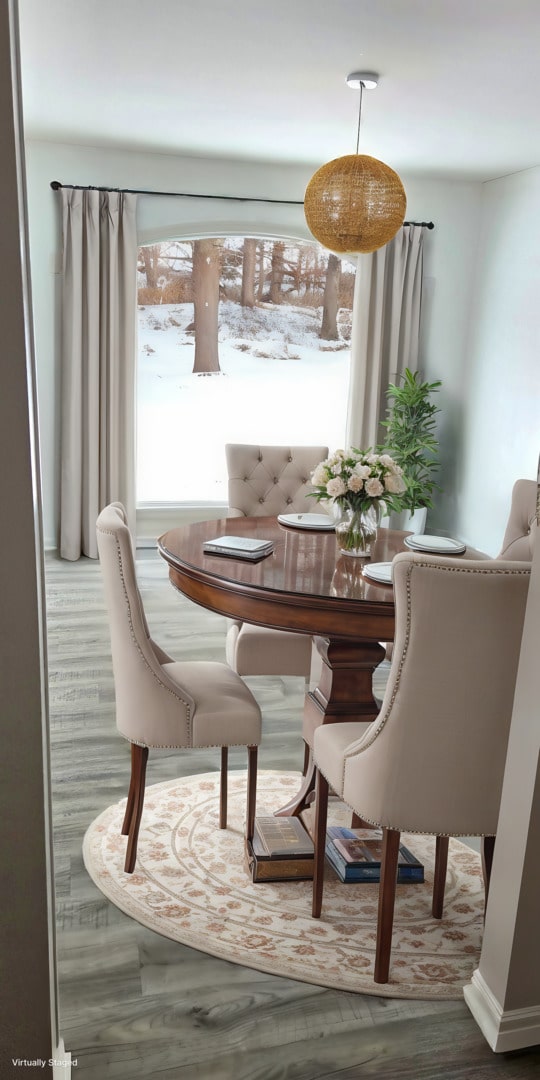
(344,693)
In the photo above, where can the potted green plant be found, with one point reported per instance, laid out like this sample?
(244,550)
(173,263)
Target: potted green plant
(411,440)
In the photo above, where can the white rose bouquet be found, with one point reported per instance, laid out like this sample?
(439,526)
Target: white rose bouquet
(362,484)
(357,479)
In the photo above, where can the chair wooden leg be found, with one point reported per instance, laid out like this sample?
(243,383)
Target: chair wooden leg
(387,896)
(439,877)
(223,788)
(139,758)
(251,792)
(321,815)
(359,823)
(307,750)
(131,794)
(488,847)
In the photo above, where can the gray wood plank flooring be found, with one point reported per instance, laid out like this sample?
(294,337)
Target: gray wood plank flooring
(134,1005)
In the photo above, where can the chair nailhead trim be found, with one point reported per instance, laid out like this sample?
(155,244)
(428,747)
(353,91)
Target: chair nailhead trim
(186,704)
(399,828)
(184,746)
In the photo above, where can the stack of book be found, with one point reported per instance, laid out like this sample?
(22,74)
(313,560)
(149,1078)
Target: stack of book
(281,850)
(239,547)
(356,854)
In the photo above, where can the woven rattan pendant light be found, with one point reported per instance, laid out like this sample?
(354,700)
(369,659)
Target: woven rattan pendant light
(355,203)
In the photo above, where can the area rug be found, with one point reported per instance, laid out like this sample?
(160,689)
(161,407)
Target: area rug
(190,885)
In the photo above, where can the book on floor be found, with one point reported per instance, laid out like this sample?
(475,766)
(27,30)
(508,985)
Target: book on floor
(239,547)
(356,854)
(282,836)
(281,850)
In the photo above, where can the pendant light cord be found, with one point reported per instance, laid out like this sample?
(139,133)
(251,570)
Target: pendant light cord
(359,117)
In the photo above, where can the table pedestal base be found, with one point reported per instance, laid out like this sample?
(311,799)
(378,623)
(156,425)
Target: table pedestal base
(344,694)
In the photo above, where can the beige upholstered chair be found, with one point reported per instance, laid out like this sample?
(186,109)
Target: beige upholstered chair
(264,481)
(161,702)
(517,541)
(433,759)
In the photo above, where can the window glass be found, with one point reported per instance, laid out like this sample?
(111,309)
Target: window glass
(241,339)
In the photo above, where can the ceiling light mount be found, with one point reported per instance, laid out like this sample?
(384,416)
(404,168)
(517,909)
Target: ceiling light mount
(366,80)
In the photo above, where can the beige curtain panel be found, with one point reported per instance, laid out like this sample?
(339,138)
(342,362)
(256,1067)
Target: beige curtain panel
(385,330)
(99,307)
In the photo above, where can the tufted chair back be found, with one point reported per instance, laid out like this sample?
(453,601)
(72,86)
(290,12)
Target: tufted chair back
(517,542)
(268,480)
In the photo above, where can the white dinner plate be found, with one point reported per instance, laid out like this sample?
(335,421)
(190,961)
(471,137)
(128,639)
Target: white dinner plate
(307,521)
(379,571)
(437,545)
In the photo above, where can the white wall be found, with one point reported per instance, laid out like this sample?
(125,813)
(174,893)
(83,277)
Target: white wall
(501,433)
(449,260)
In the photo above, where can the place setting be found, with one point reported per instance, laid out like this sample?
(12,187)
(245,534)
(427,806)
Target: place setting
(381,572)
(435,545)
(317,522)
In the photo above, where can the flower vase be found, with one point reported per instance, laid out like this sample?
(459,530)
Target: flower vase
(356,530)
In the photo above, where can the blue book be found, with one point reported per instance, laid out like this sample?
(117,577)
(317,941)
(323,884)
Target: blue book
(355,855)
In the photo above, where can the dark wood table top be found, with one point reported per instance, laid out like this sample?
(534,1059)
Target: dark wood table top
(304,585)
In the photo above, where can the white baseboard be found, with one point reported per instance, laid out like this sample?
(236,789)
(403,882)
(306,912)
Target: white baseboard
(153,521)
(510,1030)
(62,1062)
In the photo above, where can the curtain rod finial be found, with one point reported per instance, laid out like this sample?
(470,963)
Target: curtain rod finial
(55,184)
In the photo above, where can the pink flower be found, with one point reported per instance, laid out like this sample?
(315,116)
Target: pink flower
(374,487)
(355,483)
(394,484)
(320,475)
(336,487)
(363,471)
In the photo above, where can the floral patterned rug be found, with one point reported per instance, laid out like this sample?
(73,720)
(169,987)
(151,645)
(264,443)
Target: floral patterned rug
(190,885)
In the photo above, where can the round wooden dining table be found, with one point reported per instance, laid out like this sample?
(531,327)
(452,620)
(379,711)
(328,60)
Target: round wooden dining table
(307,585)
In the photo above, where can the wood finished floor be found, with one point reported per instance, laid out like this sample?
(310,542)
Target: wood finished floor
(134,1005)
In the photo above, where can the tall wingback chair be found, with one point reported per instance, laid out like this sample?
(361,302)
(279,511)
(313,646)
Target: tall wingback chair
(266,481)
(517,541)
(433,759)
(161,702)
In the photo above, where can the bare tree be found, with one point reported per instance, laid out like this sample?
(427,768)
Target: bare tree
(247,297)
(329,328)
(149,263)
(276,278)
(206,268)
(262,274)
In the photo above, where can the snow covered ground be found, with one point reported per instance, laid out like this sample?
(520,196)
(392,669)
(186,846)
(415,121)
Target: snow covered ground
(279,384)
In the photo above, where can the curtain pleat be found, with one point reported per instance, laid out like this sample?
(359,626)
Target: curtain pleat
(385,330)
(99,306)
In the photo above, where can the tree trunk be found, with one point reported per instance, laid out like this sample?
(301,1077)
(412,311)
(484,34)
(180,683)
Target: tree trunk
(276,280)
(247,298)
(260,286)
(150,257)
(329,329)
(206,269)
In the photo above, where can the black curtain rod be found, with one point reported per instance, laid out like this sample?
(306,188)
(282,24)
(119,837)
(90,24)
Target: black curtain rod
(55,184)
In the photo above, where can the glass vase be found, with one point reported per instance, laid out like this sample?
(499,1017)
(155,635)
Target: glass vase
(356,530)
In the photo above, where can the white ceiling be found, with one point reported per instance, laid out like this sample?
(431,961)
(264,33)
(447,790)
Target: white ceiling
(459,92)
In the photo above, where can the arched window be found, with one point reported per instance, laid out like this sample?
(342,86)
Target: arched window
(241,339)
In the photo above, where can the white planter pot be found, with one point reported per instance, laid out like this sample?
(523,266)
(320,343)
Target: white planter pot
(407,520)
